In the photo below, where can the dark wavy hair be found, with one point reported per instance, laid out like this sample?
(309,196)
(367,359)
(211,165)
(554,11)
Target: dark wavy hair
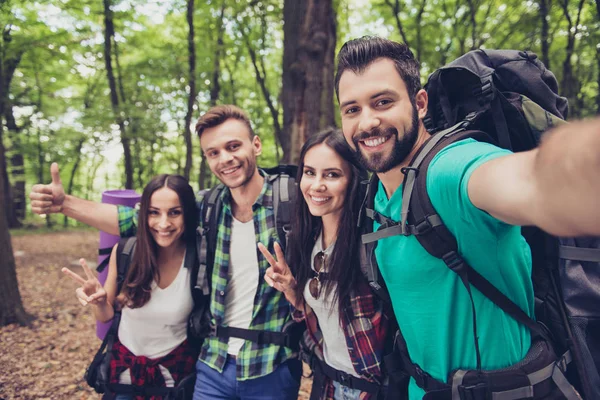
(343,263)
(357,54)
(143,268)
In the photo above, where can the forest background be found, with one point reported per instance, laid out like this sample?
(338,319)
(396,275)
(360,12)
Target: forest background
(111,89)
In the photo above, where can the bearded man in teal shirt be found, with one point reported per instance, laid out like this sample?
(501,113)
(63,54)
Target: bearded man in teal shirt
(483,194)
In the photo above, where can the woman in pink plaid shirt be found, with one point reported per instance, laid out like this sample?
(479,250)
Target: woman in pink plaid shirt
(346,324)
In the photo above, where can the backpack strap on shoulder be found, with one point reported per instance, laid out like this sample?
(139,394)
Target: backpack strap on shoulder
(283,179)
(366,252)
(125,251)
(207,237)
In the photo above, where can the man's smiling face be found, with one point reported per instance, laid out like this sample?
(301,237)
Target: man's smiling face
(379,119)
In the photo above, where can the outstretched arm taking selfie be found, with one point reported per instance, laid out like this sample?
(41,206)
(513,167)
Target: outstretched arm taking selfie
(91,290)
(51,198)
(556,186)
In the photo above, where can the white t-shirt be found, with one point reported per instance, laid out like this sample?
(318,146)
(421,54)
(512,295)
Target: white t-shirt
(242,281)
(335,349)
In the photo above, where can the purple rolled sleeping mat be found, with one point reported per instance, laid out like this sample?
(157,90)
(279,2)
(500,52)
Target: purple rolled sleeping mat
(107,241)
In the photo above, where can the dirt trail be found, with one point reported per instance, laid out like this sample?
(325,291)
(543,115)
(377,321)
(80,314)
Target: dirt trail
(48,361)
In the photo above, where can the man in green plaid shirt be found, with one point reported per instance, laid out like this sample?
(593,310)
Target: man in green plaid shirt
(227,368)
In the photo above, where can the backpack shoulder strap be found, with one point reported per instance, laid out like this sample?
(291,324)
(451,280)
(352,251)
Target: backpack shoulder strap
(125,251)
(207,236)
(283,178)
(366,252)
(420,218)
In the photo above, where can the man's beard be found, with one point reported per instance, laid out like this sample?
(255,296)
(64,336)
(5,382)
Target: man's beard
(402,146)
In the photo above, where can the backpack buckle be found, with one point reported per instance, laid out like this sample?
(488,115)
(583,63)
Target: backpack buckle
(212,330)
(473,392)
(344,379)
(422,228)
(453,261)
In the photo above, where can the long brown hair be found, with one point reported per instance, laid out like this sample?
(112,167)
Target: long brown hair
(144,269)
(344,266)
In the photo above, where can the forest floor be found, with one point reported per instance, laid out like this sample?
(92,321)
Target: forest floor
(48,359)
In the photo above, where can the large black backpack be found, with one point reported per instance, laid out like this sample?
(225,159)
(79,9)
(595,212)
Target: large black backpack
(283,179)
(513,98)
(97,374)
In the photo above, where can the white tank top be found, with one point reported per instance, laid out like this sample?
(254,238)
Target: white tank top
(158,327)
(335,349)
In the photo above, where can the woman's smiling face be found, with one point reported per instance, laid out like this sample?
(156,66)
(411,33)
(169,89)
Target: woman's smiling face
(324,182)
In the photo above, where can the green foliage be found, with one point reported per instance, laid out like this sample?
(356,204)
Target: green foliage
(60,96)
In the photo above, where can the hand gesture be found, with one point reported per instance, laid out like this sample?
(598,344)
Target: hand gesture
(91,290)
(47,199)
(278,275)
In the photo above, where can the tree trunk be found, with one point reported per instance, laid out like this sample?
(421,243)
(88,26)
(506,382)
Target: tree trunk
(11,306)
(570,84)
(9,61)
(544,11)
(109,33)
(598,61)
(7,201)
(73,173)
(18,193)
(396,11)
(308,62)
(215,92)
(187,132)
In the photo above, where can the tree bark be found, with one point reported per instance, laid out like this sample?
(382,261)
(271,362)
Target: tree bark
(570,84)
(11,306)
(9,61)
(73,173)
(261,79)
(396,11)
(109,33)
(215,91)
(544,12)
(187,132)
(308,62)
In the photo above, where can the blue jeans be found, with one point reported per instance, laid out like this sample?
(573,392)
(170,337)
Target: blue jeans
(342,392)
(281,384)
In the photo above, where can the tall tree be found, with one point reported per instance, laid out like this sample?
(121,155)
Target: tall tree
(109,33)
(544,16)
(187,132)
(308,70)
(570,84)
(11,306)
(598,60)
(215,89)
(10,57)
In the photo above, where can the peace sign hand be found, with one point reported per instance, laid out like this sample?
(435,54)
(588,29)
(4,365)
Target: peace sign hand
(91,290)
(278,275)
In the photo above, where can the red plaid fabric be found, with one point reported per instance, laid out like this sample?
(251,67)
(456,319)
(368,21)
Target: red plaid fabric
(145,371)
(365,326)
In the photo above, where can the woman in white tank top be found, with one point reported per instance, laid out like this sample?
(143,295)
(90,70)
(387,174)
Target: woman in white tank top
(346,323)
(155,299)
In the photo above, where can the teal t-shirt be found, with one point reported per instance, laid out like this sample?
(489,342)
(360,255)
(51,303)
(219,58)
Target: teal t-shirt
(431,304)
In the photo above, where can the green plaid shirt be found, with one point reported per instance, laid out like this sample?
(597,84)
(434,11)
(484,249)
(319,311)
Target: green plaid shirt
(271,310)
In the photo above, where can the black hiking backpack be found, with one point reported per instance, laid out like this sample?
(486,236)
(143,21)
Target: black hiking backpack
(283,179)
(507,98)
(97,374)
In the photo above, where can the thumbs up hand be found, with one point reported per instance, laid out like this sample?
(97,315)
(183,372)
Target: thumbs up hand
(47,199)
